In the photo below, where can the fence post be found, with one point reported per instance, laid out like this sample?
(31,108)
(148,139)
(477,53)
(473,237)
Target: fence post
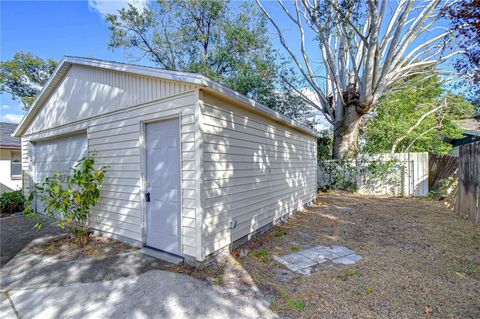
(468,198)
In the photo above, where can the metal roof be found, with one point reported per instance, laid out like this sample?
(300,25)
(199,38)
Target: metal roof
(193,78)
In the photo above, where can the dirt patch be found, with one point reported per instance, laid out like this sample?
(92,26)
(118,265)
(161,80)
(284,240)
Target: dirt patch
(418,260)
(65,248)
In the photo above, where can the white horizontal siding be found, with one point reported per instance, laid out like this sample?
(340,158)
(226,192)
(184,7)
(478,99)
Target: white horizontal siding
(86,92)
(114,138)
(255,171)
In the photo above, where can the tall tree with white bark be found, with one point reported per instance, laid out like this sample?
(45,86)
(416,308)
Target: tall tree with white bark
(351,52)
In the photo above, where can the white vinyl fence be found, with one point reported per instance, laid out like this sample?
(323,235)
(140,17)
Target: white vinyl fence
(403,174)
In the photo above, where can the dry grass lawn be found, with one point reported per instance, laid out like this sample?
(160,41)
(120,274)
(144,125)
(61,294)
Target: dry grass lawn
(419,260)
(68,249)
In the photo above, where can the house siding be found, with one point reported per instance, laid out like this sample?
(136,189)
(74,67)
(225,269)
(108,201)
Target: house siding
(111,108)
(90,91)
(255,171)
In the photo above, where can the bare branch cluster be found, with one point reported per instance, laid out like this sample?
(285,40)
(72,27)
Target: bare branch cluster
(364,48)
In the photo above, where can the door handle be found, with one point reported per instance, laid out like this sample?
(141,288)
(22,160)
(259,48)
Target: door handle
(147,197)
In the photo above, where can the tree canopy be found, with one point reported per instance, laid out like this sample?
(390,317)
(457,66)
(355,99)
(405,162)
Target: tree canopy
(352,52)
(417,116)
(464,16)
(24,76)
(207,37)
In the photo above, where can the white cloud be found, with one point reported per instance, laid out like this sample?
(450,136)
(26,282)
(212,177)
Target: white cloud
(5,107)
(322,123)
(104,7)
(11,118)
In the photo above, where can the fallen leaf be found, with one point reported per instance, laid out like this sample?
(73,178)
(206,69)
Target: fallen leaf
(429,310)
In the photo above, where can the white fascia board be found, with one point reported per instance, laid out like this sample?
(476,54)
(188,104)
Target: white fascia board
(192,78)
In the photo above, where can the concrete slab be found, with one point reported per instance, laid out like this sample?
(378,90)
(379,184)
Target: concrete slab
(295,261)
(341,251)
(305,261)
(31,270)
(6,309)
(175,260)
(347,260)
(318,254)
(154,294)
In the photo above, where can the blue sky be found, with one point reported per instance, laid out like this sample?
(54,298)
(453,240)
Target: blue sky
(53,29)
(57,28)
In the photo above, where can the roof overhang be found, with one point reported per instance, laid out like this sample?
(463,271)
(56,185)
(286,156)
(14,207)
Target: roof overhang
(193,78)
(10,147)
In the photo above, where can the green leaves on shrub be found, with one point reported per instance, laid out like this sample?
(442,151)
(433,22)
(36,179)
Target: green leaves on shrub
(68,199)
(12,202)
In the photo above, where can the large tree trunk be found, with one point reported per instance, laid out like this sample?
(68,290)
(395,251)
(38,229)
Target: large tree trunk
(346,130)
(345,138)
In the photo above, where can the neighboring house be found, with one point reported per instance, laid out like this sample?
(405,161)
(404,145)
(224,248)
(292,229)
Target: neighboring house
(194,167)
(471,134)
(10,159)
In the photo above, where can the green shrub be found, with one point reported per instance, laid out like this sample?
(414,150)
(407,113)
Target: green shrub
(12,202)
(68,199)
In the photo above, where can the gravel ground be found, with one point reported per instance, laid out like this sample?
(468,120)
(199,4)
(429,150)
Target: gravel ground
(418,260)
(16,232)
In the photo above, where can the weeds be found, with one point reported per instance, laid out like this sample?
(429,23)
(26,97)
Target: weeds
(297,304)
(279,233)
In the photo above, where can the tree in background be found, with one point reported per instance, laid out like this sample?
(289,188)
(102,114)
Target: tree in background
(24,76)
(464,16)
(416,116)
(351,52)
(207,37)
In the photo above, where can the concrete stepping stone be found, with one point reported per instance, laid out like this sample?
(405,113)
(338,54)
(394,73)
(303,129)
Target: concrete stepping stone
(318,254)
(347,260)
(303,262)
(341,251)
(295,261)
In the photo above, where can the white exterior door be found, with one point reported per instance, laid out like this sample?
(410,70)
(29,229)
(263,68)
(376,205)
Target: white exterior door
(163,186)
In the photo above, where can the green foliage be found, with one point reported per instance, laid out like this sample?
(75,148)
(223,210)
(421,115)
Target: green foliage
(339,174)
(444,188)
(67,199)
(12,202)
(295,248)
(404,107)
(297,304)
(279,233)
(368,171)
(24,76)
(353,273)
(208,37)
(261,254)
(324,145)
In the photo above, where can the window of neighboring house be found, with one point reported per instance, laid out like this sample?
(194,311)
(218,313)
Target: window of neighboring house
(16,163)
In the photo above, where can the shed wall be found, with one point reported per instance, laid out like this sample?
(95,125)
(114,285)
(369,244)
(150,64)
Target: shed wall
(113,125)
(86,92)
(255,171)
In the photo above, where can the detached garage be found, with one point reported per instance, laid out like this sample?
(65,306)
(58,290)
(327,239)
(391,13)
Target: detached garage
(194,167)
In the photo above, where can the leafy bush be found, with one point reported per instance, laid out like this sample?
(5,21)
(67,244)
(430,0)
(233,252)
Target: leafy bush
(68,199)
(12,202)
(351,174)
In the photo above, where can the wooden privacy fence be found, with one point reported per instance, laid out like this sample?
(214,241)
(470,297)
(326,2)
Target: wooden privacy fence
(468,198)
(407,174)
(440,167)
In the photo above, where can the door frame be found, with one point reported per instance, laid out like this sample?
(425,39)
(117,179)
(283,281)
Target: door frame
(143,175)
